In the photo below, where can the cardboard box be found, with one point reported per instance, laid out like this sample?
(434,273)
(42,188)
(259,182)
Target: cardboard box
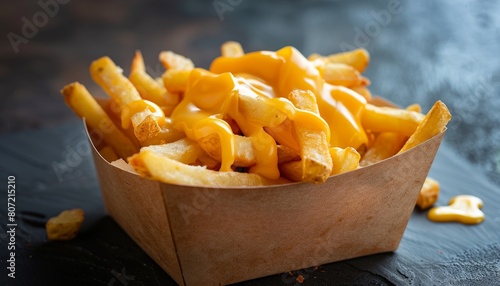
(217,236)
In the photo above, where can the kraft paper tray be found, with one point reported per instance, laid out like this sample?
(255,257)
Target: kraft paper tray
(218,236)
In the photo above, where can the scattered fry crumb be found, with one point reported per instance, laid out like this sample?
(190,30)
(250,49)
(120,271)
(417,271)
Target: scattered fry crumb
(65,226)
(300,279)
(428,194)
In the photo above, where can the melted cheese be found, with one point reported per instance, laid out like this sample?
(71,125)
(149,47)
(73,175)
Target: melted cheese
(464,209)
(210,95)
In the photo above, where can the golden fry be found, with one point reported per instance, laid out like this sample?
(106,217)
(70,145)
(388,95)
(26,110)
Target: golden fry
(386,144)
(149,88)
(364,92)
(244,153)
(344,160)
(314,153)
(65,226)
(358,59)
(389,119)
(154,166)
(84,105)
(171,60)
(342,74)
(184,150)
(434,123)
(428,194)
(108,153)
(232,49)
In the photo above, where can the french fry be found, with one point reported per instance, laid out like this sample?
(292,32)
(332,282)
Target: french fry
(315,158)
(414,107)
(108,153)
(154,166)
(150,89)
(65,226)
(358,59)
(171,60)
(244,153)
(389,119)
(184,150)
(428,194)
(106,74)
(232,49)
(168,133)
(386,144)
(84,105)
(344,160)
(286,154)
(434,123)
(259,110)
(341,74)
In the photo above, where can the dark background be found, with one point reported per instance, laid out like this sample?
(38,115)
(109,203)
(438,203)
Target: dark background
(446,50)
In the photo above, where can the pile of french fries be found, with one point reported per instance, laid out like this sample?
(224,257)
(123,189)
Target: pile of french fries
(237,128)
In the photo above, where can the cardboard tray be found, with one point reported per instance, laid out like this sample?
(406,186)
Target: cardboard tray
(219,236)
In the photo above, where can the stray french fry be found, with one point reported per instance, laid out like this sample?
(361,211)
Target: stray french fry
(434,123)
(65,226)
(428,194)
(389,119)
(161,168)
(344,160)
(84,105)
(232,49)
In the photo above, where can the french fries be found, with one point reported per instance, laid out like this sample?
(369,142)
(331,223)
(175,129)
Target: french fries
(85,106)
(259,118)
(65,226)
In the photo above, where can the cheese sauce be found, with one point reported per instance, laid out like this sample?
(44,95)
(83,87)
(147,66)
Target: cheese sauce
(271,75)
(465,209)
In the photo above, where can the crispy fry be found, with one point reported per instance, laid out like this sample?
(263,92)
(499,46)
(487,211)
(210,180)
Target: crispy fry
(168,133)
(108,153)
(110,78)
(107,75)
(389,119)
(171,60)
(414,107)
(428,194)
(314,153)
(137,63)
(358,59)
(434,123)
(184,150)
(232,49)
(341,74)
(84,105)
(286,154)
(151,165)
(259,110)
(244,152)
(344,160)
(65,226)
(150,89)
(386,144)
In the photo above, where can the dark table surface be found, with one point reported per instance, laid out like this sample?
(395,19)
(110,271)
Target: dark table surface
(420,52)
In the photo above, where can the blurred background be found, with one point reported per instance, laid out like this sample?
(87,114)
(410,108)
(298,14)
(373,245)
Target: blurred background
(420,51)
